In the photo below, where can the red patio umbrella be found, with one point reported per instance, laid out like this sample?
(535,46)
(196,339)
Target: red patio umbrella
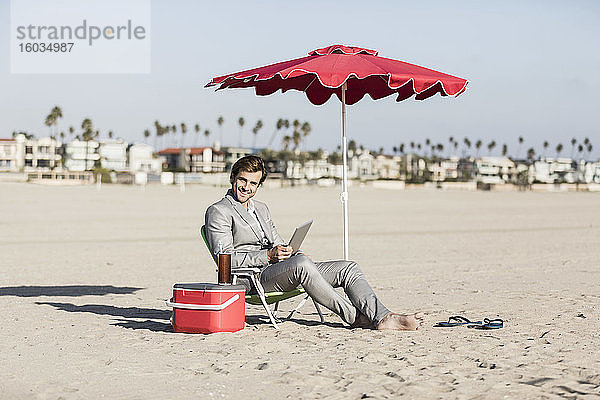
(349,73)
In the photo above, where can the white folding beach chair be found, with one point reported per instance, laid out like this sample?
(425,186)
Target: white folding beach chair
(266,298)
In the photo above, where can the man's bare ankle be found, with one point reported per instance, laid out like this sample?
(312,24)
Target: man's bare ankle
(400,322)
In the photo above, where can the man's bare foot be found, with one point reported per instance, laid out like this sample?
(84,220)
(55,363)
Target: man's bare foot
(400,322)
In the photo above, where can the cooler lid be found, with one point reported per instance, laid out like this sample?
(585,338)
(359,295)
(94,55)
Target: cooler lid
(209,286)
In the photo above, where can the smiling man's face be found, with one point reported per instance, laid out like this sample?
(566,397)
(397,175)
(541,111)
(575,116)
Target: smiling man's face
(245,185)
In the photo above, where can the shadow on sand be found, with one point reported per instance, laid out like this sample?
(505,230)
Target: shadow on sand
(123,313)
(66,290)
(103,309)
(151,315)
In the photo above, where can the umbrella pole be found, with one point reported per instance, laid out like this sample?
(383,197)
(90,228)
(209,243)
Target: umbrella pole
(345,172)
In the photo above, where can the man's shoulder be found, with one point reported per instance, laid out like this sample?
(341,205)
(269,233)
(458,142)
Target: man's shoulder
(221,205)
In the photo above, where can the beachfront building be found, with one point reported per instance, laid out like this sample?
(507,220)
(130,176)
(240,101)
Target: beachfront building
(590,172)
(206,159)
(494,170)
(141,159)
(465,169)
(316,169)
(555,170)
(42,154)
(12,154)
(386,166)
(80,155)
(360,164)
(232,154)
(174,158)
(414,168)
(113,155)
(195,159)
(442,170)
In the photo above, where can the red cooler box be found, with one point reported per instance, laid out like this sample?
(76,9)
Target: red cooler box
(207,307)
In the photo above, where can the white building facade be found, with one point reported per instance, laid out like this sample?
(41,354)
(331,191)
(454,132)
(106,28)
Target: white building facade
(80,155)
(494,170)
(113,155)
(12,154)
(42,154)
(141,159)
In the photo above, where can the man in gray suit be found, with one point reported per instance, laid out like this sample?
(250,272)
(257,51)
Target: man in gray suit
(243,227)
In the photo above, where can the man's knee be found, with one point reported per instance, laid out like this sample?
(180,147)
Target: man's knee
(305,265)
(351,271)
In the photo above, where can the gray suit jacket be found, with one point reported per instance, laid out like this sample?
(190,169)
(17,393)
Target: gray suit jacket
(229,223)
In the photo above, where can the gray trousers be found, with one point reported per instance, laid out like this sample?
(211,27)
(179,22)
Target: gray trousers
(319,280)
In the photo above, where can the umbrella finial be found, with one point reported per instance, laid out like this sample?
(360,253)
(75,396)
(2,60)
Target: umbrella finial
(341,49)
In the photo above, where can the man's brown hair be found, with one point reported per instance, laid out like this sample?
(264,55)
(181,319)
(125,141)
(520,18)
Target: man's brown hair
(249,164)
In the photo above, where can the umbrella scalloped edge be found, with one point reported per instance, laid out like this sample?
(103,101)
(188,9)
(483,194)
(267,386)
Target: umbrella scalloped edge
(404,90)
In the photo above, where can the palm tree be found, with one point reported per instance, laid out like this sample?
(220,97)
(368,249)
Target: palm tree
(530,154)
(573,142)
(478,144)
(504,150)
(52,119)
(183,128)
(412,146)
(428,143)
(110,134)
(467,143)
(286,142)
(587,145)
(491,146)
(146,135)
(88,129)
(520,143)
(440,148)
(580,150)
(159,132)
(206,135)
(71,130)
(88,134)
(401,148)
(306,129)
(352,146)
(451,142)
(174,132)
(559,148)
(220,121)
(241,123)
(197,130)
(296,138)
(257,127)
(545,146)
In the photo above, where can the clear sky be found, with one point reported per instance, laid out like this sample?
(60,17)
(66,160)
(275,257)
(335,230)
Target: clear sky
(533,67)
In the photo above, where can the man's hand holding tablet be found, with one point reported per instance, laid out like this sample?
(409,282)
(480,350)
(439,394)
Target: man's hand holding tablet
(280,252)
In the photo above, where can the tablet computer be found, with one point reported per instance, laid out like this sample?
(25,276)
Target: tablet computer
(299,235)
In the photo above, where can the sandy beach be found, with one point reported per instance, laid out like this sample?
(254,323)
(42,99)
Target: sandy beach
(85,274)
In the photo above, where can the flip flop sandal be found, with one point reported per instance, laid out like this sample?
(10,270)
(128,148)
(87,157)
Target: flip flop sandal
(456,320)
(488,324)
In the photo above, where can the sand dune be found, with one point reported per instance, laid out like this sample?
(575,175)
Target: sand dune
(84,275)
